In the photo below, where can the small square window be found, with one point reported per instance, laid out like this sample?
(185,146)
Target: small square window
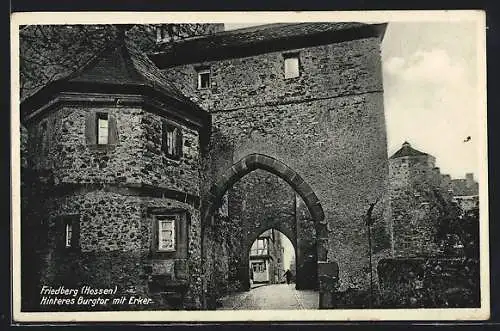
(102,129)
(291,66)
(204,79)
(166,233)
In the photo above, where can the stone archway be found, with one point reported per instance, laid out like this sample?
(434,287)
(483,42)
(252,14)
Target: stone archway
(256,161)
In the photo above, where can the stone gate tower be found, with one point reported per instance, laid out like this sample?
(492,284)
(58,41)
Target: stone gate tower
(310,96)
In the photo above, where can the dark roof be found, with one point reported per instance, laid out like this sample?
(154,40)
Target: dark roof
(407,150)
(121,63)
(261,38)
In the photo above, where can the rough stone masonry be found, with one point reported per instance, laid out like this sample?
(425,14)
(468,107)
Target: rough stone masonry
(327,124)
(170,141)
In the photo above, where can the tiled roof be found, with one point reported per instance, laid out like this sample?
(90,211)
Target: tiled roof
(267,36)
(251,35)
(407,150)
(122,63)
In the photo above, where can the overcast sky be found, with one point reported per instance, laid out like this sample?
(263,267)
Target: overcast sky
(430,91)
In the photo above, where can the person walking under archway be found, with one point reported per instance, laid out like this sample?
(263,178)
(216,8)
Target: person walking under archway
(288,275)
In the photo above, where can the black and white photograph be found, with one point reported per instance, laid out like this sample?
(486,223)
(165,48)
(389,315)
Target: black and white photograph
(244,166)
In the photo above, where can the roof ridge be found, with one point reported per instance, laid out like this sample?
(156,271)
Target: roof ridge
(406,150)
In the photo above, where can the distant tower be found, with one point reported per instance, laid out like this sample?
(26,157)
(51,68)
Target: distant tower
(414,180)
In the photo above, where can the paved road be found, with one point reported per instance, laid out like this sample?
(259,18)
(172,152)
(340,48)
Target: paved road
(277,296)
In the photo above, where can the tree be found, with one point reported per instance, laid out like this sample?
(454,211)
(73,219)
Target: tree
(51,51)
(458,232)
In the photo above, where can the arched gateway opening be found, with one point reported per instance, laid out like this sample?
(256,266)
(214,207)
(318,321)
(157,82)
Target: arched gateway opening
(263,162)
(272,259)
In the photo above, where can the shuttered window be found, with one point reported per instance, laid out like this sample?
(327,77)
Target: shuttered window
(101,129)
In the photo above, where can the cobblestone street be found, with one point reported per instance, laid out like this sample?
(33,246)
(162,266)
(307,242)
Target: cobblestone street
(276,296)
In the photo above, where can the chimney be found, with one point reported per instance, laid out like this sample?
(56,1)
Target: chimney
(469,179)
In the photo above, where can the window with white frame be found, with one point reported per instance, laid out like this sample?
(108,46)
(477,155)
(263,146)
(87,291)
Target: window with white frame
(102,129)
(166,233)
(292,68)
(68,235)
(203,78)
(172,141)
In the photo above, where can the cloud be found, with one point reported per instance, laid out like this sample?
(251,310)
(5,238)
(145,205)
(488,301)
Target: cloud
(434,66)
(430,102)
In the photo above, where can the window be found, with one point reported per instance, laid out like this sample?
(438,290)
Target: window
(203,78)
(160,33)
(291,65)
(166,32)
(223,209)
(261,246)
(102,129)
(166,233)
(68,229)
(169,232)
(259,266)
(172,141)
(69,235)
(43,137)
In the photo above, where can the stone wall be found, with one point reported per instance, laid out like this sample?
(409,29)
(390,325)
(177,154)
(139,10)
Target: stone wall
(306,276)
(326,71)
(222,246)
(112,192)
(135,158)
(328,125)
(115,248)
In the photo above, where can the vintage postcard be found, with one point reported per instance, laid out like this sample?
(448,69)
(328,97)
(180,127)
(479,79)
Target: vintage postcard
(272,166)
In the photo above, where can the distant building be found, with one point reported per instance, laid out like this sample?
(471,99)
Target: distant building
(266,258)
(466,192)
